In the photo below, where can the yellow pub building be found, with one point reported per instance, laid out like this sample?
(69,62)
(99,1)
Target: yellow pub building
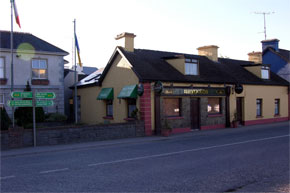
(182,91)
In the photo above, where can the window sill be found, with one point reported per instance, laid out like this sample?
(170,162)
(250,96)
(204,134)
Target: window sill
(277,115)
(110,118)
(259,117)
(214,115)
(39,82)
(129,119)
(3,81)
(174,118)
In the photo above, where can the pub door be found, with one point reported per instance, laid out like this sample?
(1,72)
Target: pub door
(240,101)
(194,113)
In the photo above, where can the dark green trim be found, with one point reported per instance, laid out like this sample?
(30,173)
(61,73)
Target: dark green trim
(106,94)
(129,91)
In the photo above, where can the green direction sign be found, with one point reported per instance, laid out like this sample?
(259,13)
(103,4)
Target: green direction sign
(21,94)
(44,103)
(45,95)
(20,103)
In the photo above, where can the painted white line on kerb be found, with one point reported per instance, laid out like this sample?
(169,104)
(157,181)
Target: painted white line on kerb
(6,177)
(51,171)
(185,151)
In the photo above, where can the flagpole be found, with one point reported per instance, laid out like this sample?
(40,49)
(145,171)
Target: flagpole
(75,95)
(11,47)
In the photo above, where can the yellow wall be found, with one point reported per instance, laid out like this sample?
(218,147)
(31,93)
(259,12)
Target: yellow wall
(256,70)
(178,64)
(118,76)
(268,94)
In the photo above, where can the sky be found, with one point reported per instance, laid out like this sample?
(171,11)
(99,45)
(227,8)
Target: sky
(168,25)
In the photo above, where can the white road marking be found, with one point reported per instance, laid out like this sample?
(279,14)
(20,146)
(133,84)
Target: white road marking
(51,171)
(6,177)
(185,151)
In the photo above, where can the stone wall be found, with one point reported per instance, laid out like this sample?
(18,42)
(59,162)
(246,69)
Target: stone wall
(180,122)
(206,120)
(64,135)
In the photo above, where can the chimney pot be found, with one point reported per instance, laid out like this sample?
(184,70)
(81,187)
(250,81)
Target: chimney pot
(255,57)
(210,51)
(129,40)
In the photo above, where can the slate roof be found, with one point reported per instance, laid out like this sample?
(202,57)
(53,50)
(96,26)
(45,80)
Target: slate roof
(37,43)
(150,65)
(284,54)
(91,79)
(88,70)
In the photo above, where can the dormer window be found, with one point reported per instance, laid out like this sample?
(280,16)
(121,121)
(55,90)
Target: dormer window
(265,72)
(191,66)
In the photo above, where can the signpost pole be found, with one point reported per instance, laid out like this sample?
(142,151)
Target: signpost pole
(34,124)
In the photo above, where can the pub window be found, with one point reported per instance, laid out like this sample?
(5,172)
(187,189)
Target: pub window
(277,106)
(259,107)
(39,69)
(2,68)
(131,107)
(191,67)
(109,108)
(214,106)
(172,107)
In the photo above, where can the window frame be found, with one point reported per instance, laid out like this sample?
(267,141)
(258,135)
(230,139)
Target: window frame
(4,68)
(131,102)
(179,107)
(109,103)
(219,103)
(3,99)
(277,107)
(192,62)
(259,103)
(263,69)
(46,70)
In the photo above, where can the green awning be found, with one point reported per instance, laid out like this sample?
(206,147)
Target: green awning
(106,94)
(128,92)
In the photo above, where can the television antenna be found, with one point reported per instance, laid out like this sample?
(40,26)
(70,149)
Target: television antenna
(264,13)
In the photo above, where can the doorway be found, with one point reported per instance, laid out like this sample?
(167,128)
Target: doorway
(194,113)
(240,102)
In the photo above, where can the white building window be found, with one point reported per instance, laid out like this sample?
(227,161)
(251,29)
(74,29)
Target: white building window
(2,68)
(191,67)
(265,72)
(2,100)
(39,69)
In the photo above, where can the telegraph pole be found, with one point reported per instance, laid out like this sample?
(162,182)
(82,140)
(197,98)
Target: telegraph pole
(264,14)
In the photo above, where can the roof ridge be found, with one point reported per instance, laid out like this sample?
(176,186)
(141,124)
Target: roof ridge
(16,32)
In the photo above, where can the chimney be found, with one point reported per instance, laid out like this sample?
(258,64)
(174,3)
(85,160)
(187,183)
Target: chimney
(210,51)
(273,43)
(129,40)
(255,57)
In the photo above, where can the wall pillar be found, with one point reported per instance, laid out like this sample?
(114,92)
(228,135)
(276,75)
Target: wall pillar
(289,103)
(145,108)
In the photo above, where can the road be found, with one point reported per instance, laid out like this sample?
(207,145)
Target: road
(246,159)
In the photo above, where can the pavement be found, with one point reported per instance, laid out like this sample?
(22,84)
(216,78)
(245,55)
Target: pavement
(244,159)
(86,145)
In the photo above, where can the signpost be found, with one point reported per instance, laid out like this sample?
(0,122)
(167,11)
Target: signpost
(21,95)
(32,103)
(45,95)
(20,103)
(44,103)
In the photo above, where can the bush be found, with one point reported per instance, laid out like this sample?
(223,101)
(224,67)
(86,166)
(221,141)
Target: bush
(55,117)
(4,119)
(24,116)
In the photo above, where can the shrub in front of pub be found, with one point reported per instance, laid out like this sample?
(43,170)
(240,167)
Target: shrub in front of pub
(5,120)
(24,116)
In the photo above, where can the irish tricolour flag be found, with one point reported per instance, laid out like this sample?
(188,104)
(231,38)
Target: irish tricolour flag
(16,13)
